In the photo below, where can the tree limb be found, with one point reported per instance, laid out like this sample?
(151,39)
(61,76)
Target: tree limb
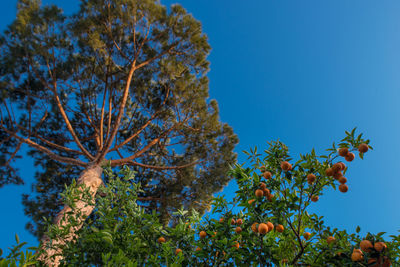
(45,150)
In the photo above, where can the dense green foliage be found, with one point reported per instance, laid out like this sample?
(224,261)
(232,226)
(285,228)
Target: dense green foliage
(166,126)
(122,233)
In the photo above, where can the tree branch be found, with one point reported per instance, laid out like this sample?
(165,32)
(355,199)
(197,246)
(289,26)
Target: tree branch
(45,150)
(133,163)
(143,127)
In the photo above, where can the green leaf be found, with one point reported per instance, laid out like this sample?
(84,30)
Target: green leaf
(107,239)
(358,229)
(17,238)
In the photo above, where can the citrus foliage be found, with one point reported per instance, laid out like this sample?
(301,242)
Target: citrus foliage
(271,228)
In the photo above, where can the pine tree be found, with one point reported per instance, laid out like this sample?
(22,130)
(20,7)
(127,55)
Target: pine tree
(121,82)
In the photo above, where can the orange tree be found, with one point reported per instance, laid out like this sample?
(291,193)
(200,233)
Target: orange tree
(272,227)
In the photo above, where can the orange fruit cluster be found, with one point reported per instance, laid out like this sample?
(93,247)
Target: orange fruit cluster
(336,172)
(367,246)
(264,228)
(262,191)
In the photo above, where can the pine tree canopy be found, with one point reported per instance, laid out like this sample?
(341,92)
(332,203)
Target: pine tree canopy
(121,82)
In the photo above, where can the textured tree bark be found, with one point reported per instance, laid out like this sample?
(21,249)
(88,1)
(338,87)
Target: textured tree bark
(91,178)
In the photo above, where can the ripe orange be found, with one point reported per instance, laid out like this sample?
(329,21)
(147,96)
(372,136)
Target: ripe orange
(263,186)
(314,198)
(270,197)
(284,260)
(311,178)
(198,249)
(266,192)
(177,251)
(343,151)
(270,226)
(357,255)
(342,180)
(343,188)
(239,221)
(238,230)
(336,167)
(267,175)
(202,234)
(343,166)
(254,227)
(161,240)
(337,175)
(379,246)
(263,168)
(279,228)
(366,245)
(329,172)
(330,239)
(286,166)
(221,220)
(251,201)
(236,245)
(306,235)
(350,156)
(259,193)
(262,228)
(233,222)
(362,148)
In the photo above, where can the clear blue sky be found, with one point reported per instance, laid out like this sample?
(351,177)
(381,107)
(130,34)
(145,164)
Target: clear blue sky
(303,72)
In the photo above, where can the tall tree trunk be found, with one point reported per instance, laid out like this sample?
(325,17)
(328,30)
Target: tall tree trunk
(91,178)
